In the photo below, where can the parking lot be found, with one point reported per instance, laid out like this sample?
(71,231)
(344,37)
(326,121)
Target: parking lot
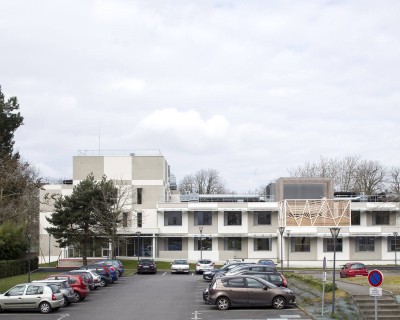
(155,296)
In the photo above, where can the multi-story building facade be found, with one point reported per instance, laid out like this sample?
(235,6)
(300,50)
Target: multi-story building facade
(166,225)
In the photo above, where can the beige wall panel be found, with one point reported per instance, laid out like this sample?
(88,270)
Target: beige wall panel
(312,255)
(82,166)
(272,228)
(118,168)
(151,195)
(192,229)
(366,255)
(149,168)
(225,254)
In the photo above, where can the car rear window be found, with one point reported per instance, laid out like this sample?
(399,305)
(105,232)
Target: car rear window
(357,266)
(205,261)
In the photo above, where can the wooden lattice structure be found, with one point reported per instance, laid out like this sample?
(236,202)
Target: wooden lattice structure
(323,213)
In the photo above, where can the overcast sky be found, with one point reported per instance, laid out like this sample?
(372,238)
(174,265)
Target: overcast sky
(249,88)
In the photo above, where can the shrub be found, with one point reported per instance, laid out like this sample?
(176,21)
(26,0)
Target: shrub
(316,283)
(9,268)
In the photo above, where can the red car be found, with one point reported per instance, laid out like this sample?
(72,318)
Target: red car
(76,282)
(353,269)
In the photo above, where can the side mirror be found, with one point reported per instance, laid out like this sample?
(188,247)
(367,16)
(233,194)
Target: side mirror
(265,288)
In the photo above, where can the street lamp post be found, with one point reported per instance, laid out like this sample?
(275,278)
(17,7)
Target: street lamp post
(201,242)
(138,242)
(281,231)
(395,249)
(335,232)
(29,236)
(288,247)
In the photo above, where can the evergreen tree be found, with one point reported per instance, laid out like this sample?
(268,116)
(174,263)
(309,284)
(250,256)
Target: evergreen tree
(10,120)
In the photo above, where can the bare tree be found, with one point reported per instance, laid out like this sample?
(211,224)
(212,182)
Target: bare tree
(370,177)
(394,182)
(348,174)
(204,181)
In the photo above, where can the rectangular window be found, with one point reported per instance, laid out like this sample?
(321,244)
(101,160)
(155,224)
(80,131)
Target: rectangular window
(139,195)
(300,244)
(125,219)
(328,245)
(355,218)
(233,244)
(202,218)
(173,244)
(262,244)
(173,218)
(205,242)
(365,243)
(381,218)
(232,218)
(139,219)
(262,218)
(392,244)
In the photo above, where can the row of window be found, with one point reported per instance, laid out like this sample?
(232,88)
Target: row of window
(297,244)
(204,218)
(234,218)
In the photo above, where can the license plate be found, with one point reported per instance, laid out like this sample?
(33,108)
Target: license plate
(145,267)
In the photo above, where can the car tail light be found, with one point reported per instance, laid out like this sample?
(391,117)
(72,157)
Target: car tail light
(284,282)
(198,264)
(112,268)
(53,297)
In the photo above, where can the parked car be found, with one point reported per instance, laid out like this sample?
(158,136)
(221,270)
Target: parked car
(104,273)
(267,262)
(146,266)
(65,288)
(32,296)
(275,278)
(249,267)
(180,266)
(87,277)
(353,269)
(209,275)
(232,291)
(203,265)
(110,268)
(116,264)
(81,289)
(94,278)
(230,261)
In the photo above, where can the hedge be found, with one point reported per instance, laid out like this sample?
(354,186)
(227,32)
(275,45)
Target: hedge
(317,283)
(9,268)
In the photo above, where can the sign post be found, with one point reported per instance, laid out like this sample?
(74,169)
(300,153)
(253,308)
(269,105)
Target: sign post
(323,284)
(375,279)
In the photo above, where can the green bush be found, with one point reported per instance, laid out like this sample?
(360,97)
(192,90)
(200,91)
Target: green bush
(9,268)
(315,282)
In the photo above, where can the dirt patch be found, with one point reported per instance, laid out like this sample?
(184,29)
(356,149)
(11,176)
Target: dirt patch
(310,299)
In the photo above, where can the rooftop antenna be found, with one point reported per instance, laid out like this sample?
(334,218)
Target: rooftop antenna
(99,136)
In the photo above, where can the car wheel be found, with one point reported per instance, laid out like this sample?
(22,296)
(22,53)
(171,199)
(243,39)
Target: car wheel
(77,297)
(223,303)
(103,283)
(45,307)
(65,302)
(279,302)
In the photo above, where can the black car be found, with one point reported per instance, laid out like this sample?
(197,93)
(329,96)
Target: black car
(209,275)
(146,266)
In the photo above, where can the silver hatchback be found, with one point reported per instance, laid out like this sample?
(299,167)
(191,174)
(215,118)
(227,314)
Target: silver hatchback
(66,289)
(32,296)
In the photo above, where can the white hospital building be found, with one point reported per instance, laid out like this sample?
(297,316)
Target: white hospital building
(165,225)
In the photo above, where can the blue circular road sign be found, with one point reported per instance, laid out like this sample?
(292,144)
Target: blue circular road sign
(375,278)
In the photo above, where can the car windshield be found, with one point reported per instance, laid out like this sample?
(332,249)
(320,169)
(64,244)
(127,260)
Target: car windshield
(180,262)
